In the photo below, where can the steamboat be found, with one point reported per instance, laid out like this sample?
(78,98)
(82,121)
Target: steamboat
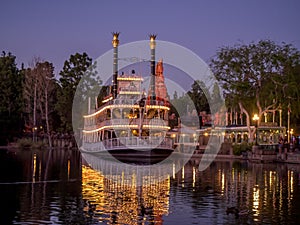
(131,122)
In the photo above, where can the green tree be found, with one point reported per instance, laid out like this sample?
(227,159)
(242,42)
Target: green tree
(175,95)
(74,69)
(194,99)
(10,98)
(255,77)
(198,96)
(292,91)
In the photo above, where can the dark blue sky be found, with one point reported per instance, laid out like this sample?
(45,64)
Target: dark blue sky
(55,29)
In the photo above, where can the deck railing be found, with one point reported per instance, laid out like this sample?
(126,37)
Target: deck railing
(134,102)
(135,121)
(146,142)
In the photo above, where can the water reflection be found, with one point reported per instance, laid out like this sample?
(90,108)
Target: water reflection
(55,187)
(249,193)
(36,187)
(129,194)
(124,202)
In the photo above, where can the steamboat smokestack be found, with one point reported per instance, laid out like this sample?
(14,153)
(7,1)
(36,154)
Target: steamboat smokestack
(115,43)
(152,80)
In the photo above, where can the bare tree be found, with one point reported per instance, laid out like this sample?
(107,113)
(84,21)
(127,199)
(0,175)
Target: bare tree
(46,88)
(30,95)
(39,86)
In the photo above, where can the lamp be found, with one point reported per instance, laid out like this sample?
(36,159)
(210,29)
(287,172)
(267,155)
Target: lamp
(256,118)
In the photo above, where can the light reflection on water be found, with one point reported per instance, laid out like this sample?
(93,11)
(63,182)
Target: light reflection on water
(124,201)
(54,187)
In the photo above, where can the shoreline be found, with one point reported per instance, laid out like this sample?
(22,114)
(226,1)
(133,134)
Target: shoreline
(290,157)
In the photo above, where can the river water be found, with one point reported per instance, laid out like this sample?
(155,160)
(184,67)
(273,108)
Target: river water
(59,187)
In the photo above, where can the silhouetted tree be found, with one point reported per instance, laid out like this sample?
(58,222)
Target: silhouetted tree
(73,70)
(10,98)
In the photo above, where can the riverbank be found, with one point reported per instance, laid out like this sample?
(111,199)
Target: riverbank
(10,146)
(15,147)
(289,157)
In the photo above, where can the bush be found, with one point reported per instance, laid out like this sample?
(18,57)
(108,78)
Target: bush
(27,143)
(39,145)
(24,143)
(238,149)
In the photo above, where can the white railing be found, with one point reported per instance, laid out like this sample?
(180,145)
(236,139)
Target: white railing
(125,101)
(135,121)
(133,102)
(147,142)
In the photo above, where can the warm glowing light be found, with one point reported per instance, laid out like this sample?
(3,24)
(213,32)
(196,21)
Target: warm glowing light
(115,41)
(194,176)
(105,195)
(122,179)
(223,182)
(130,78)
(255,117)
(109,127)
(129,93)
(182,177)
(34,167)
(152,37)
(205,134)
(115,35)
(290,183)
(156,127)
(158,107)
(255,201)
(132,116)
(133,182)
(125,106)
(69,166)
(108,99)
(110,107)
(173,171)
(115,126)
(152,41)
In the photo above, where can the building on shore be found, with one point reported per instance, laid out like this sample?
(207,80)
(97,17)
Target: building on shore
(234,131)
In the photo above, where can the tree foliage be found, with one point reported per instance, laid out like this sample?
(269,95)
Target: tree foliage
(10,85)
(194,101)
(74,69)
(10,98)
(198,96)
(258,77)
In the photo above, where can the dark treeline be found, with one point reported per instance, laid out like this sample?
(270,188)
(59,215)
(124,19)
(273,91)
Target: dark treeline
(33,102)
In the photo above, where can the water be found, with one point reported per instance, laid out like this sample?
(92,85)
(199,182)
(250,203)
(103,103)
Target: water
(58,187)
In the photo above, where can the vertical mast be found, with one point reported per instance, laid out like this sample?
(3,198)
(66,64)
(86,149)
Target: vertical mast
(152,63)
(115,43)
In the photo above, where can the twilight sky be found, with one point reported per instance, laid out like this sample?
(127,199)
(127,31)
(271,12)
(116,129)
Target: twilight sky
(52,30)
